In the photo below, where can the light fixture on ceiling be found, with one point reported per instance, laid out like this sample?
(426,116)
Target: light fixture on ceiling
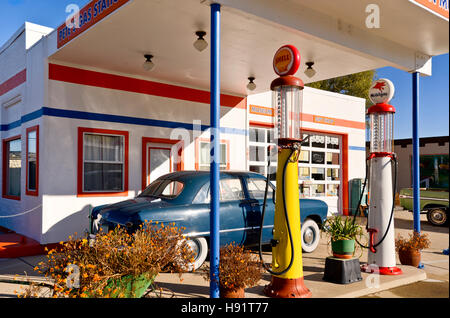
(310,72)
(148,64)
(251,86)
(200,44)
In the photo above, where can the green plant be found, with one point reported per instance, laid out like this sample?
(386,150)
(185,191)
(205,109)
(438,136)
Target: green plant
(110,264)
(238,268)
(416,242)
(339,228)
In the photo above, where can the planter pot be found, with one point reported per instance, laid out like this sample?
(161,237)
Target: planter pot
(409,257)
(343,248)
(232,293)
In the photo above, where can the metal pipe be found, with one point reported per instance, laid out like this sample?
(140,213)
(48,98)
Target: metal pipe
(215,151)
(415,153)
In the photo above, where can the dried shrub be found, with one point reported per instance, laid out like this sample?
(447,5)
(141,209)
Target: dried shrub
(238,268)
(83,268)
(416,242)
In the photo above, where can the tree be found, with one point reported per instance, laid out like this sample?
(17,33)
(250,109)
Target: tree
(357,85)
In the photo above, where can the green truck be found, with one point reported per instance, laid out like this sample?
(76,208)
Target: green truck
(433,202)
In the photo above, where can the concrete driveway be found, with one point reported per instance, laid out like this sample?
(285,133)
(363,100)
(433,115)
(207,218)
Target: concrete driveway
(432,281)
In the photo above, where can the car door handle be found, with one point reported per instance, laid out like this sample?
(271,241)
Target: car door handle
(249,203)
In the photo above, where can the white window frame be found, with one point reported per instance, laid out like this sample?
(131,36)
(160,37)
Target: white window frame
(205,166)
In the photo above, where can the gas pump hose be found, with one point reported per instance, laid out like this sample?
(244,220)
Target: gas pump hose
(395,162)
(285,215)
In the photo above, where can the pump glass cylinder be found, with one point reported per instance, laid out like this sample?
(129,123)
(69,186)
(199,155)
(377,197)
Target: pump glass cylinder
(288,109)
(381,132)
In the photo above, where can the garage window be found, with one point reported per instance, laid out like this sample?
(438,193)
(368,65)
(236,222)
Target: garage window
(259,140)
(104,167)
(320,166)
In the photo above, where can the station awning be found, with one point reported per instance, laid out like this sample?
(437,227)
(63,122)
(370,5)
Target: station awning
(333,34)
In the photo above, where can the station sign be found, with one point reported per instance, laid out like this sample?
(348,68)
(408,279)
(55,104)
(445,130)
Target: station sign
(89,15)
(437,7)
(286,60)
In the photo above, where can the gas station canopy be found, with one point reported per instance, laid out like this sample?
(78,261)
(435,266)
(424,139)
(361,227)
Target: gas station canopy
(332,34)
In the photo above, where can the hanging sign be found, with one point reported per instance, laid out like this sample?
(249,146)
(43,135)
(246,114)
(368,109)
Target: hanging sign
(324,120)
(260,110)
(381,91)
(286,60)
(92,13)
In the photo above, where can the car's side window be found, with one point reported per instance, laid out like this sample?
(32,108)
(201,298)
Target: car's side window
(256,188)
(172,189)
(231,190)
(202,195)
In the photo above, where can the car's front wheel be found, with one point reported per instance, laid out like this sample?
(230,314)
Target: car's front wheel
(310,235)
(437,216)
(199,247)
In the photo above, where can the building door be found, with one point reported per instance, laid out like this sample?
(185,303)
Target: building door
(160,158)
(159,162)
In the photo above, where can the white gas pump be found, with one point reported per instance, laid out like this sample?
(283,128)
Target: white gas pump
(382,257)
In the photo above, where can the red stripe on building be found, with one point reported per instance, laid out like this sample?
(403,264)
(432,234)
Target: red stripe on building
(13,82)
(123,83)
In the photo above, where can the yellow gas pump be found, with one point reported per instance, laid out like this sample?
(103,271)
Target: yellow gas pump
(287,266)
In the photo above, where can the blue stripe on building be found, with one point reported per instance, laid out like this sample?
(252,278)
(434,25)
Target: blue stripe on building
(74,114)
(356,148)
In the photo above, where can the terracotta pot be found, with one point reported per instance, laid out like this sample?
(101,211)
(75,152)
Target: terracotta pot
(409,257)
(232,293)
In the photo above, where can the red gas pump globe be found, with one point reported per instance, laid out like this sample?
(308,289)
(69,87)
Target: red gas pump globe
(286,60)
(286,94)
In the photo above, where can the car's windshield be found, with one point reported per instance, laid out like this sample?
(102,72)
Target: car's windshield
(162,188)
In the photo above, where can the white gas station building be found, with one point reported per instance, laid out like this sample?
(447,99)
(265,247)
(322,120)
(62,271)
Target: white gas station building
(84,124)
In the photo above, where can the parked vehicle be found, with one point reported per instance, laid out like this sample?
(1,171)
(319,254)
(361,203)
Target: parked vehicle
(433,202)
(183,198)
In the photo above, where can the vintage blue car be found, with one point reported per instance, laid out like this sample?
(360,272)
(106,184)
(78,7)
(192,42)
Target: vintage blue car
(183,198)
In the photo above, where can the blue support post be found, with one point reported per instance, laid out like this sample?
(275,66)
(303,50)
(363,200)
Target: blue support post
(416,156)
(415,153)
(215,151)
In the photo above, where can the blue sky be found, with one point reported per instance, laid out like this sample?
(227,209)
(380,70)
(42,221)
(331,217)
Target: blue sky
(434,91)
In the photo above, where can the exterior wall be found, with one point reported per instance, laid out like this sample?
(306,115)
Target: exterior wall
(72,105)
(330,114)
(405,156)
(22,94)
(12,102)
